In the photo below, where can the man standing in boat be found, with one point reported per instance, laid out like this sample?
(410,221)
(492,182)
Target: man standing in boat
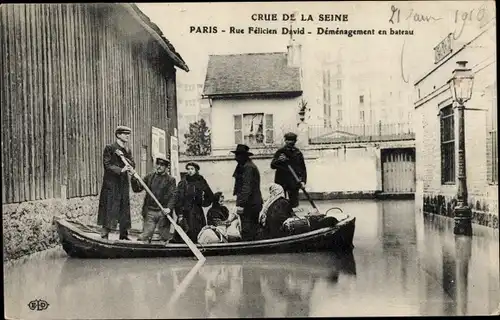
(114,199)
(290,155)
(163,186)
(247,192)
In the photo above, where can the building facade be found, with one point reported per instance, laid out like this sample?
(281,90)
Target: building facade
(70,74)
(254,99)
(436,127)
(350,94)
(191,108)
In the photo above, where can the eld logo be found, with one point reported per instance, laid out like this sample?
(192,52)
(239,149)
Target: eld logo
(38,305)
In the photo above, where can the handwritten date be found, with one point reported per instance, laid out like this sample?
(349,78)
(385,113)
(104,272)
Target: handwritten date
(481,15)
(415,16)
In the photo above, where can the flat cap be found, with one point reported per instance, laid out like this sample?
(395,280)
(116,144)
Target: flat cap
(290,136)
(161,160)
(122,129)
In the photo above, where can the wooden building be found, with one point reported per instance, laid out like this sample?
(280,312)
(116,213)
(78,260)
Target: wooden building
(70,73)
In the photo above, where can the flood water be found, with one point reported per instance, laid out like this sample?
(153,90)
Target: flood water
(402,264)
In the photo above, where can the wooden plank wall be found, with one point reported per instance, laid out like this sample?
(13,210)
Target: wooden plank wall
(72,73)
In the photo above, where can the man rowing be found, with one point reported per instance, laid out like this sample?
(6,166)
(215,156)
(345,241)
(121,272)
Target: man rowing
(114,199)
(290,155)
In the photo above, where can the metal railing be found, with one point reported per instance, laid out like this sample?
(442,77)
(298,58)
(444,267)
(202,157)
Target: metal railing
(361,133)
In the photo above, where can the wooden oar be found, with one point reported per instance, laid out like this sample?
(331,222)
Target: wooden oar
(301,187)
(184,284)
(179,230)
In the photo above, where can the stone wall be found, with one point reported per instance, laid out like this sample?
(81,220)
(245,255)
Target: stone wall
(28,227)
(484,212)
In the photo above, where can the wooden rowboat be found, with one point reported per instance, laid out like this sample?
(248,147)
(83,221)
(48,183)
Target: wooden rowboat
(84,241)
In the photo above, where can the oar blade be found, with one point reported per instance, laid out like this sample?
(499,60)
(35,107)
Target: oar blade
(188,241)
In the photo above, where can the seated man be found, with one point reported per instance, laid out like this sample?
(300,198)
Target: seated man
(276,210)
(163,186)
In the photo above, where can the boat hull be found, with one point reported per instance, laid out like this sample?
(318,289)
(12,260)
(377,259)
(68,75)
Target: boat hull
(78,244)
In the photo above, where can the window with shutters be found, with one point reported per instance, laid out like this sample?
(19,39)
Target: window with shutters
(238,129)
(269,129)
(447,123)
(254,129)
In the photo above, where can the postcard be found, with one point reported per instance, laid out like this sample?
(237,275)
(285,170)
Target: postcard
(249,159)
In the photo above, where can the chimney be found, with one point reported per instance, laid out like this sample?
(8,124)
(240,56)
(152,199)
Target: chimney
(294,49)
(294,55)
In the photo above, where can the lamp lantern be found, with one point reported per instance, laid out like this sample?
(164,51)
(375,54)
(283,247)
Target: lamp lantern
(461,83)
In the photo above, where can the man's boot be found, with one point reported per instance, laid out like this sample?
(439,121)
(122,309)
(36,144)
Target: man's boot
(124,235)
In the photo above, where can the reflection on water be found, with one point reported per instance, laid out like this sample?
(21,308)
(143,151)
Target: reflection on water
(402,265)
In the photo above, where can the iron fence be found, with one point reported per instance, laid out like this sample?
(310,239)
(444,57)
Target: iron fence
(361,132)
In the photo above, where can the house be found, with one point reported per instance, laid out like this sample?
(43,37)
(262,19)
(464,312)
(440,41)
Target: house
(254,98)
(436,125)
(70,74)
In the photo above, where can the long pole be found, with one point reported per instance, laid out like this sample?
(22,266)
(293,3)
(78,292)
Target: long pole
(179,230)
(303,189)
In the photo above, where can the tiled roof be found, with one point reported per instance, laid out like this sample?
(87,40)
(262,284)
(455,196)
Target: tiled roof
(251,73)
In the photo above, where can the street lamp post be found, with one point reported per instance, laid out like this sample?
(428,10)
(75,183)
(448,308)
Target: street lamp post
(461,87)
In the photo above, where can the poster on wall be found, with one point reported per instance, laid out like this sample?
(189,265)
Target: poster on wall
(174,158)
(158,139)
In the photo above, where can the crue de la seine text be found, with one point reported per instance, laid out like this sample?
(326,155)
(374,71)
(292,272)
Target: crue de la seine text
(337,17)
(258,19)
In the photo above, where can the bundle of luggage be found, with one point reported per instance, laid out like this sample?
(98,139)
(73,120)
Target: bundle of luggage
(298,225)
(291,226)
(220,234)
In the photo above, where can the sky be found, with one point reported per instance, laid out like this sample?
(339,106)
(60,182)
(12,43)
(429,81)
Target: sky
(431,21)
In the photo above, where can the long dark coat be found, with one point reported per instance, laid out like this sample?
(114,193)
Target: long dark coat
(248,196)
(247,185)
(283,176)
(216,214)
(114,199)
(193,193)
(163,186)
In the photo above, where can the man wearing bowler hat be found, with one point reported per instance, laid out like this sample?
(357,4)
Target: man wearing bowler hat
(114,199)
(163,186)
(289,155)
(247,192)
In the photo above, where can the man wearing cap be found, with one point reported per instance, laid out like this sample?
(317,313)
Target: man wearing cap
(114,199)
(289,155)
(247,191)
(163,186)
